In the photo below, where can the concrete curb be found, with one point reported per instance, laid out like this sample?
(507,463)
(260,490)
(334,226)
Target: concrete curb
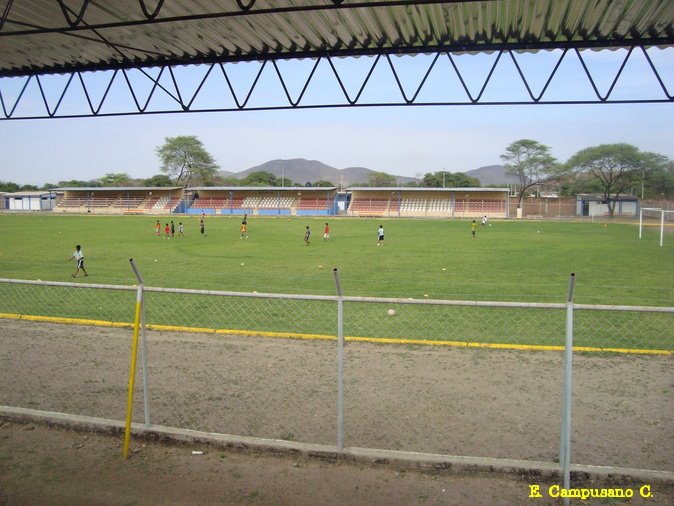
(388,458)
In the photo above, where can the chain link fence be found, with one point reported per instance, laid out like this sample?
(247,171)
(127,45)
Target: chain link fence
(462,377)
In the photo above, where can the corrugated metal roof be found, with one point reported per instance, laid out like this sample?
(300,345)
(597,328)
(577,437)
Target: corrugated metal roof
(37,36)
(115,188)
(262,188)
(35,193)
(425,189)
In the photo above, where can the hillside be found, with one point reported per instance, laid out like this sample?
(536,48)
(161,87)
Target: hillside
(302,171)
(491,175)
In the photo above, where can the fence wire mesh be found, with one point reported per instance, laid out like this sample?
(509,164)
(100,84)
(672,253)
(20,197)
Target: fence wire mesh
(68,369)
(68,300)
(277,389)
(625,328)
(427,320)
(263,314)
(465,400)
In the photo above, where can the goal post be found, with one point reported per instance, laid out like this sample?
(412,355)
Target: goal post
(655,213)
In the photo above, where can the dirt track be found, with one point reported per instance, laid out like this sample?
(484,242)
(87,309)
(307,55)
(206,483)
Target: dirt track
(440,400)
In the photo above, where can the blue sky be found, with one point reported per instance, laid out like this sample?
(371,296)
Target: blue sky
(398,140)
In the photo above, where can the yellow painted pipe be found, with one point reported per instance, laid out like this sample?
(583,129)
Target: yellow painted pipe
(132,373)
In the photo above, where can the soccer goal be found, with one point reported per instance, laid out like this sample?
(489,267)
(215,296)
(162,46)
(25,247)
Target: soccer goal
(653,216)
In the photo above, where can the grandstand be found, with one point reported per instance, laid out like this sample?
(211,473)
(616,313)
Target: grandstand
(429,202)
(257,200)
(131,200)
(291,201)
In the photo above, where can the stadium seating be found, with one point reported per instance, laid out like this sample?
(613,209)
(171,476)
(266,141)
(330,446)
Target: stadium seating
(317,204)
(369,207)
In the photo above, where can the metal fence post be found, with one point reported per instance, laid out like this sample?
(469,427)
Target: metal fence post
(143,342)
(565,444)
(340,362)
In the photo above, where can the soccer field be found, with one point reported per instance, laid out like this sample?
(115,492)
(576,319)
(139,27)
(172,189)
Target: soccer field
(421,259)
(521,261)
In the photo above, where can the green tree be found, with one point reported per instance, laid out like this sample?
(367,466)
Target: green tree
(444,179)
(324,184)
(661,182)
(9,187)
(571,187)
(158,180)
(381,179)
(261,178)
(77,183)
(532,163)
(229,181)
(656,175)
(115,179)
(617,168)
(185,159)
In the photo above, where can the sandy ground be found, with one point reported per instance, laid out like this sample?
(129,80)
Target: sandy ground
(50,465)
(439,400)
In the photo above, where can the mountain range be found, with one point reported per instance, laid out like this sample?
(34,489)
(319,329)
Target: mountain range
(301,171)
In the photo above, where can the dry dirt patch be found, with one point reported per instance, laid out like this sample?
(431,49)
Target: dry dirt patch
(440,400)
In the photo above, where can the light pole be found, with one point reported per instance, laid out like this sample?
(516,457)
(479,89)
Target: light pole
(643,176)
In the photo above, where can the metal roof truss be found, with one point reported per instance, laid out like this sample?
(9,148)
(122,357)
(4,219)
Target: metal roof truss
(78,58)
(221,87)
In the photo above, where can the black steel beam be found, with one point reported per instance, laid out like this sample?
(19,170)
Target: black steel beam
(185,104)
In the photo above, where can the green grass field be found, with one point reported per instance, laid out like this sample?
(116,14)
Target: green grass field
(520,261)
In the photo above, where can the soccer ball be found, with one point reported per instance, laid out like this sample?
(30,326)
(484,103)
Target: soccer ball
(391,312)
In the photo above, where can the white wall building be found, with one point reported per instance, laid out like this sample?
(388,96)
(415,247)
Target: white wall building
(29,201)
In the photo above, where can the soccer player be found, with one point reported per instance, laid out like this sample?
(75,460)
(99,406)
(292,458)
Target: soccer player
(181,230)
(244,230)
(157,229)
(173,229)
(167,232)
(473,228)
(79,260)
(380,236)
(202,226)
(307,236)
(326,232)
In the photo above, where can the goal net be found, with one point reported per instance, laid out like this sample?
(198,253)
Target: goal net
(654,218)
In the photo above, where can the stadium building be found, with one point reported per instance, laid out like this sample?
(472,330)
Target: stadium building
(28,201)
(598,205)
(119,200)
(429,202)
(390,202)
(262,200)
